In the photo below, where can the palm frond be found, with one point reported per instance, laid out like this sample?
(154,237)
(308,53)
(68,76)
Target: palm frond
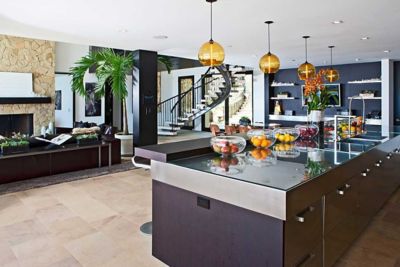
(166,61)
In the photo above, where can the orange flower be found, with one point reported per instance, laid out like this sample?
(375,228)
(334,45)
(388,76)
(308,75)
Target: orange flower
(312,85)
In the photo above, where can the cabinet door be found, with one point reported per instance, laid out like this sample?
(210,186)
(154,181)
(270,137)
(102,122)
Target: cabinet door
(302,234)
(342,225)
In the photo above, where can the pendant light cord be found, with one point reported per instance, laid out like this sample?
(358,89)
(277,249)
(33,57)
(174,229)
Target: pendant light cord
(211,21)
(306,47)
(331,58)
(269,41)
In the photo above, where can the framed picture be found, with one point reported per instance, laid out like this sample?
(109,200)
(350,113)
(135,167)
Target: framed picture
(58,100)
(334,88)
(92,104)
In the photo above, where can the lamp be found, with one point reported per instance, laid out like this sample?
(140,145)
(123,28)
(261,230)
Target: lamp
(211,53)
(269,63)
(331,74)
(306,70)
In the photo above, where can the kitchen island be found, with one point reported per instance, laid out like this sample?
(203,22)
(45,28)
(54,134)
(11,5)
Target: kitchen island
(300,211)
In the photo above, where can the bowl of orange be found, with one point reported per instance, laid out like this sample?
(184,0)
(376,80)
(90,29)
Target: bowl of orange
(261,138)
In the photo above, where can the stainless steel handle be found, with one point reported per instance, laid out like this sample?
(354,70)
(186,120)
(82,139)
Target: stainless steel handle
(343,189)
(365,173)
(378,164)
(389,156)
(306,260)
(301,216)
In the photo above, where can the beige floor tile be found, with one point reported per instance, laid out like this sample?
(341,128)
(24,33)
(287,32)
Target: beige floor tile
(69,229)
(7,256)
(22,232)
(93,249)
(67,262)
(36,201)
(51,214)
(12,210)
(39,252)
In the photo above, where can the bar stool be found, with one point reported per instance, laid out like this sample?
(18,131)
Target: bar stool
(139,162)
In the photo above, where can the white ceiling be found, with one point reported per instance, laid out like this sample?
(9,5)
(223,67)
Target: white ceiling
(238,26)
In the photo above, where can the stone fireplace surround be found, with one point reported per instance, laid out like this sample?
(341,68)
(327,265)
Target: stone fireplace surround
(36,57)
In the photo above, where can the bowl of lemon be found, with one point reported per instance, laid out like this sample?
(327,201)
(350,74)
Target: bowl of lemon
(261,138)
(286,134)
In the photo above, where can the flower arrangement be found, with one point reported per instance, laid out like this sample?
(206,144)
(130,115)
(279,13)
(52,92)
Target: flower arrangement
(317,97)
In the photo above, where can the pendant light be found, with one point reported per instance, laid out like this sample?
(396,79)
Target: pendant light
(269,63)
(211,53)
(306,70)
(331,74)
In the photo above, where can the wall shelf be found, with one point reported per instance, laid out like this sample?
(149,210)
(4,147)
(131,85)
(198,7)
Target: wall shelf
(365,81)
(366,98)
(283,84)
(24,100)
(283,98)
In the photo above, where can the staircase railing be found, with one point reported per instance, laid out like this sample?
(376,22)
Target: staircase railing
(188,105)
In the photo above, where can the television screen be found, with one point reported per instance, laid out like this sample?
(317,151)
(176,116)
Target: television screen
(334,88)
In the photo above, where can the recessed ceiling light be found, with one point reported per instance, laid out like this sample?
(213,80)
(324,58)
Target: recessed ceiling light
(229,46)
(337,22)
(386,51)
(358,59)
(365,38)
(122,30)
(160,37)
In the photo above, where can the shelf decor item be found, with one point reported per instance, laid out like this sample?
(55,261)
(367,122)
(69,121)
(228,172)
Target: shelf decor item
(317,96)
(306,70)
(331,75)
(211,53)
(228,145)
(269,63)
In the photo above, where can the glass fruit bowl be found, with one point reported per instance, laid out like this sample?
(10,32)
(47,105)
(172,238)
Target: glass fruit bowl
(286,134)
(286,150)
(306,145)
(228,145)
(227,165)
(307,131)
(261,138)
(261,157)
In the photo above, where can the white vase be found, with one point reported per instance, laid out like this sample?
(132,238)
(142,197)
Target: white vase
(316,156)
(316,115)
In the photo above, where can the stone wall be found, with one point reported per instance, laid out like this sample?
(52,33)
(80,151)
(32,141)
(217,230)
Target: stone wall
(32,56)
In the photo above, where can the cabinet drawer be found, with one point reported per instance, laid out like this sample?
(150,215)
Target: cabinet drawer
(302,233)
(313,258)
(341,203)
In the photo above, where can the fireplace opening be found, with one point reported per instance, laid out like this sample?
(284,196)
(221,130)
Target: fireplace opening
(18,123)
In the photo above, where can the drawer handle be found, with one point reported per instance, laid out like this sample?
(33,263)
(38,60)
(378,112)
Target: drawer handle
(306,260)
(301,216)
(365,173)
(389,156)
(342,190)
(378,163)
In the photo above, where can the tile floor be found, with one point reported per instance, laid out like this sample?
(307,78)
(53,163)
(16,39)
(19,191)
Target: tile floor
(95,222)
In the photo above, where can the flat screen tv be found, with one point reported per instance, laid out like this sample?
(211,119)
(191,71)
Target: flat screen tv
(332,87)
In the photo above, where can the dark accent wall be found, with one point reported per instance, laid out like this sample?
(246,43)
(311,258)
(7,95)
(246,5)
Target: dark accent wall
(144,100)
(348,72)
(396,92)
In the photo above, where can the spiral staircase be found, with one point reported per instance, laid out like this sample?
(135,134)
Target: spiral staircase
(180,110)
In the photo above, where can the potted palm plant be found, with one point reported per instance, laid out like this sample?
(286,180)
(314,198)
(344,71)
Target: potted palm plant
(111,68)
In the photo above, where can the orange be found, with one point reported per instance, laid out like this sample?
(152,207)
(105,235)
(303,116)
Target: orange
(256,154)
(256,142)
(265,143)
(264,154)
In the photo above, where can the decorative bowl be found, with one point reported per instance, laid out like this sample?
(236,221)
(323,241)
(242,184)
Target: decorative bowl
(286,134)
(306,144)
(307,131)
(261,138)
(228,145)
(227,165)
(260,157)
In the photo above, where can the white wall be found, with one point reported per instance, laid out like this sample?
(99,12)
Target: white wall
(258,97)
(170,87)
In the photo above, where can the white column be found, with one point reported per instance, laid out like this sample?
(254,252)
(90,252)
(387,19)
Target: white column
(387,95)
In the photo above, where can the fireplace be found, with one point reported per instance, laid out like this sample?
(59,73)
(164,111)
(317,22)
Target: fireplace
(19,123)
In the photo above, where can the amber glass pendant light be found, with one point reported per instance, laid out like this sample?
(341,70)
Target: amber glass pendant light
(269,63)
(306,70)
(211,53)
(331,74)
